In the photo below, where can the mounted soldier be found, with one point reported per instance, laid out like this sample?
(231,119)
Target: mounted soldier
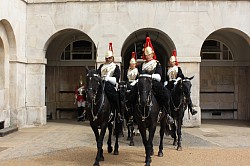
(131,75)
(110,72)
(153,67)
(174,73)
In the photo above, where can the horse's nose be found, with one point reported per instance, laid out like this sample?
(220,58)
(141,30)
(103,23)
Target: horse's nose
(143,98)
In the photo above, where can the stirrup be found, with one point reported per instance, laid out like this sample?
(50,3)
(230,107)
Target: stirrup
(170,120)
(193,112)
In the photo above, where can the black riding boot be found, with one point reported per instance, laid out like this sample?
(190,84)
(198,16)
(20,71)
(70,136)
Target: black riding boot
(170,120)
(190,107)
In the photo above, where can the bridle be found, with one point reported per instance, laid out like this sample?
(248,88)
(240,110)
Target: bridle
(180,95)
(90,89)
(149,102)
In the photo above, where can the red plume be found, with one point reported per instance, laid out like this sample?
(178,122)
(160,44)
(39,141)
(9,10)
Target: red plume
(148,44)
(175,55)
(110,47)
(133,55)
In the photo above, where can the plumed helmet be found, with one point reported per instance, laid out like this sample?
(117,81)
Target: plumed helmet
(148,48)
(148,51)
(133,60)
(109,53)
(173,58)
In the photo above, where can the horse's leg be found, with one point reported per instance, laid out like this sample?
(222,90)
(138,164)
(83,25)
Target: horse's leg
(173,133)
(132,135)
(118,128)
(149,147)
(162,130)
(100,144)
(129,134)
(143,135)
(96,132)
(109,142)
(179,123)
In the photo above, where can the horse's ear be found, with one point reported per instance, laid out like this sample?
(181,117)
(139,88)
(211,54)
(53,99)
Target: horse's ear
(87,69)
(191,78)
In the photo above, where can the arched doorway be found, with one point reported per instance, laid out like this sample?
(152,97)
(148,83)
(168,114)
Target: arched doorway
(68,53)
(9,64)
(162,43)
(225,75)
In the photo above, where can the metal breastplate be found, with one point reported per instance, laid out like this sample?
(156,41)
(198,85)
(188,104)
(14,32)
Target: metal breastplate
(108,70)
(132,74)
(149,66)
(172,73)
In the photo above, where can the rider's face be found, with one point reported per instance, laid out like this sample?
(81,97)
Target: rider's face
(132,65)
(149,57)
(109,59)
(172,63)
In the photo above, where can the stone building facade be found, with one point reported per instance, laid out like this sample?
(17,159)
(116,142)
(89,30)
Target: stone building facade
(45,45)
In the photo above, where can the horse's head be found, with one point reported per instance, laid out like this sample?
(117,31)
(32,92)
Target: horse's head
(122,90)
(187,87)
(93,81)
(144,89)
(183,85)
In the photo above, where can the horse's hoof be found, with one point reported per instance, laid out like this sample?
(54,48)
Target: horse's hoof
(96,164)
(101,158)
(148,161)
(110,149)
(116,153)
(131,144)
(160,154)
(152,153)
(179,148)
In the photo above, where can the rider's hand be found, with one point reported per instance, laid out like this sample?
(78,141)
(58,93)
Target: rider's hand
(157,77)
(165,83)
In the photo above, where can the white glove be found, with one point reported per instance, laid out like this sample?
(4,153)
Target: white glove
(112,80)
(165,83)
(177,80)
(134,82)
(157,77)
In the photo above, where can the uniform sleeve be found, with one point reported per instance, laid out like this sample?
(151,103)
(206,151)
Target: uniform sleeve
(158,69)
(139,67)
(125,78)
(117,73)
(167,77)
(76,90)
(180,74)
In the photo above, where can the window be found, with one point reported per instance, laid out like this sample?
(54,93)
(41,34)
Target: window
(215,50)
(79,50)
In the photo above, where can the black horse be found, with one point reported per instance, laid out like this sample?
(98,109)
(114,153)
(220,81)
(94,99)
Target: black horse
(180,95)
(100,114)
(148,114)
(127,110)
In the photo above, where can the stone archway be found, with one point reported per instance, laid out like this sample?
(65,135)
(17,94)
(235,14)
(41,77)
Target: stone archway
(62,75)
(7,63)
(225,82)
(162,43)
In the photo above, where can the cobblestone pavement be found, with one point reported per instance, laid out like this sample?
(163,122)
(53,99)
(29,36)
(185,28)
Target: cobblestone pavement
(64,142)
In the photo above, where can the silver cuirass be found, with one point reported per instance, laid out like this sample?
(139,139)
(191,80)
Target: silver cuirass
(132,74)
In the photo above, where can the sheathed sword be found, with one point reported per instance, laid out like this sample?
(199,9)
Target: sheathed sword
(96,56)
